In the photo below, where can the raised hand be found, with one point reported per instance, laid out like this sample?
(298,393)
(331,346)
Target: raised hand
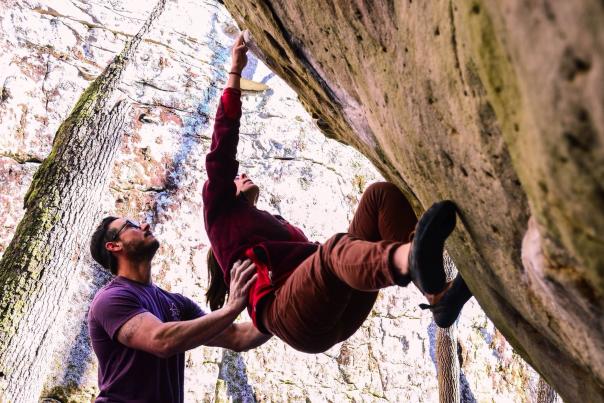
(238,54)
(243,276)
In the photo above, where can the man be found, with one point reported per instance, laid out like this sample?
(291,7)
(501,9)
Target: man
(140,332)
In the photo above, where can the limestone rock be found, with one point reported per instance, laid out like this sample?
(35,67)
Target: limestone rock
(495,105)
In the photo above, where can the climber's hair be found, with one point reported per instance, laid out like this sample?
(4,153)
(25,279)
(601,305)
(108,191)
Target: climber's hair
(98,251)
(217,291)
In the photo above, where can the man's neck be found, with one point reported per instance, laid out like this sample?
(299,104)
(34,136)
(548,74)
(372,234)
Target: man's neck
(139,272)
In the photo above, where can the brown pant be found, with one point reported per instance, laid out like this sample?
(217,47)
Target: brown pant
(329,295)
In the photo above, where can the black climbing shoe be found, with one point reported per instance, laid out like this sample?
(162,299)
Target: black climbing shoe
(448,308)
(426,255)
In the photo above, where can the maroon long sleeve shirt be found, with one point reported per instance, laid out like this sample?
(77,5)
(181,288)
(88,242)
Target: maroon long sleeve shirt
(233,224)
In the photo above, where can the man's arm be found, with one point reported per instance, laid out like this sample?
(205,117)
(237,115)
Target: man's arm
(147,333)
(240,337)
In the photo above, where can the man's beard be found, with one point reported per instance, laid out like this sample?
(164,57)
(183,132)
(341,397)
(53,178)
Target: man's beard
(141,251)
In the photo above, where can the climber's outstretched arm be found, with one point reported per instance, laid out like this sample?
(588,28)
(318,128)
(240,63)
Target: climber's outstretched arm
(221,162)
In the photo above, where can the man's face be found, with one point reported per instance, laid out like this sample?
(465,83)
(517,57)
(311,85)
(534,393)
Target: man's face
(137,240)
(245,185)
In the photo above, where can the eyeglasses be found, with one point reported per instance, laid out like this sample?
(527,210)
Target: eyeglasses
(127,224)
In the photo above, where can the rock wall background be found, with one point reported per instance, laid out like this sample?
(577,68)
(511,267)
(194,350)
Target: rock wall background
(51,50)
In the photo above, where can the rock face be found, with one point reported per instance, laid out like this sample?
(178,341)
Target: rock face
(51,50)
(498,106)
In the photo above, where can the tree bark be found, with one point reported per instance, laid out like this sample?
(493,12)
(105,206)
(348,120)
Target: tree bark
(447,362)
(62,205)
(545,393)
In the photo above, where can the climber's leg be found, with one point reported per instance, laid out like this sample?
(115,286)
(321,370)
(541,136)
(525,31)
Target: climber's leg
(329,307)
(307,310)
(382,214)
(330,294)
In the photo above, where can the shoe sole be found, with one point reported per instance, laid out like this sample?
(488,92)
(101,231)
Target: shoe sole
(430,243)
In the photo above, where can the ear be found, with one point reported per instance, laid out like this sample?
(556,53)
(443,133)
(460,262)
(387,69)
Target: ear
(113,246)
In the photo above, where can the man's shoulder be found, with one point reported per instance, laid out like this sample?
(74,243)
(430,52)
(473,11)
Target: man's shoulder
(112,306)
(114,286)
(170,295)
(114,290)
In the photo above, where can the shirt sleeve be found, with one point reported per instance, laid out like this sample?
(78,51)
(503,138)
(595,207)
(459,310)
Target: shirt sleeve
(221,161)
(113,308)
(231,102)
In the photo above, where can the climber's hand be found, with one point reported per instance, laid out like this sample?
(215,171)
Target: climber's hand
(239,56)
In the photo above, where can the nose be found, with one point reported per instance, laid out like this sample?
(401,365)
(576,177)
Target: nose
(243,176)
(145,227)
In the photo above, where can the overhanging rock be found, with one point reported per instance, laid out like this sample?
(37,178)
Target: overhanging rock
(498,106)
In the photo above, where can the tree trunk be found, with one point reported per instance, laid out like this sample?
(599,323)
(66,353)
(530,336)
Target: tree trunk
(545,393)
(62,205)
(447,362)
(448,365)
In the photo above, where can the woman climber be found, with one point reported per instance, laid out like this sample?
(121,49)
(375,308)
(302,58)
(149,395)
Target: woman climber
(312,295)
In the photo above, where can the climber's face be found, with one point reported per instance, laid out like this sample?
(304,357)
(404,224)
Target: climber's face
(246,187)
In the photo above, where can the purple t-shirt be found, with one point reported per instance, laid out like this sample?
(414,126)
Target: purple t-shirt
(126,374)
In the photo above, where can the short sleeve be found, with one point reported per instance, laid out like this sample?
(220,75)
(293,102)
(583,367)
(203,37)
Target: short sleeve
(114,307)
(192,310)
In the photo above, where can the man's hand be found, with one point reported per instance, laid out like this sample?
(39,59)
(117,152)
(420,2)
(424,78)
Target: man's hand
(243,276)
(238,54)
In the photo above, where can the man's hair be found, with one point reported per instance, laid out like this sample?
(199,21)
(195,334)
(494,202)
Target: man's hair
(98,251)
